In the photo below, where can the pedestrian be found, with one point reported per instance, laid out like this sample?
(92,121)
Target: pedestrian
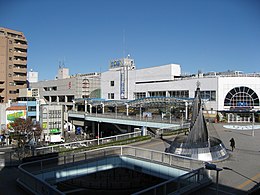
(232,143)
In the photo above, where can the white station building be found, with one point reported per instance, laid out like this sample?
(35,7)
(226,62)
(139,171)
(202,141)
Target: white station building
(231,91)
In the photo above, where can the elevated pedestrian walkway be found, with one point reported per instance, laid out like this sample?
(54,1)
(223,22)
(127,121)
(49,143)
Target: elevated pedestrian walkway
(124,120)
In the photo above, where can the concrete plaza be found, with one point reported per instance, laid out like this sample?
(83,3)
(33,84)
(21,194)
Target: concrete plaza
(243,165)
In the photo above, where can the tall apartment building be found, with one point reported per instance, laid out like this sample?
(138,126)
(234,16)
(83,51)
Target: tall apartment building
(13,63)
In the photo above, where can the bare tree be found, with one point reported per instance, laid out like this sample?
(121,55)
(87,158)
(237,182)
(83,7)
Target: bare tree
(25,130)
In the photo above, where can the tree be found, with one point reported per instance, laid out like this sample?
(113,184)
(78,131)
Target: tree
(25,130)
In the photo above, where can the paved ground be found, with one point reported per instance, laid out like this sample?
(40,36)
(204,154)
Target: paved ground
(244,163)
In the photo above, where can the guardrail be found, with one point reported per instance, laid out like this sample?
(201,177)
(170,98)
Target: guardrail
(137,117)
(86,143)
(31,182)
(14,157)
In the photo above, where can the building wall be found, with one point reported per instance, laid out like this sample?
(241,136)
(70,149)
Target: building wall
(70,88)
(136,78)
(165,79)
(52,117)
(13,63)
(225,84)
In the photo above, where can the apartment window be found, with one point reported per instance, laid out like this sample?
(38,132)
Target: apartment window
(10,41)
(12,92)
(112,83)
(10,50)
(10,66)
(10,75)
(111,96)
(10,58)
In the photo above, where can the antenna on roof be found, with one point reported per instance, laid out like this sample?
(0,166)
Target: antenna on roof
(63,62)
(124,43)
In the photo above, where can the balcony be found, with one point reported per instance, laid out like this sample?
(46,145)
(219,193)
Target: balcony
(19,78)
(20,54)
(19,70)
(19,45)
(22,62)
(2,84)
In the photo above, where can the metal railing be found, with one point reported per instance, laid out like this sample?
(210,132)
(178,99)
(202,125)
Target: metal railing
(14,157)
(137,117)
(33,183)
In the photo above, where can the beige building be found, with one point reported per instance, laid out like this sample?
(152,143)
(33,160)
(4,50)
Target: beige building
(13,63)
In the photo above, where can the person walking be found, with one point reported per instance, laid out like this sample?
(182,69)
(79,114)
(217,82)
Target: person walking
(232,143)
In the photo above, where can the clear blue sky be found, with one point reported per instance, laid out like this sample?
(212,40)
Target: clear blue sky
(207,35)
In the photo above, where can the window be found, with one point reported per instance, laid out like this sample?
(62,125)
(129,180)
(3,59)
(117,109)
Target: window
(111,96)
(112,83)
(10,66)
(241,97)
(209,95)
(157,93)
(179,93)
(10,41)
(10,58)
(139,95)
(31,108)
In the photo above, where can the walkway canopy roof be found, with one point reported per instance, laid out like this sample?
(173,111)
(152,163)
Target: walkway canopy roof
(143,102)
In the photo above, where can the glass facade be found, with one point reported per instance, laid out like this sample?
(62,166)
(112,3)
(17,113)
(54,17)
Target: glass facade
(209,95)
(179,93)
(241,97)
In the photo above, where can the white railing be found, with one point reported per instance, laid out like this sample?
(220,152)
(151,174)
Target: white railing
(86,143)
(33,183)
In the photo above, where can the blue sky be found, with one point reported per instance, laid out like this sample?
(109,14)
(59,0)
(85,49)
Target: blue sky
(206,35)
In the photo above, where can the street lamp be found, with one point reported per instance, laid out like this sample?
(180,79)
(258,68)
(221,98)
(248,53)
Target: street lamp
(253,123)
(98,132)
(182,113)
(214,167)
(171,114)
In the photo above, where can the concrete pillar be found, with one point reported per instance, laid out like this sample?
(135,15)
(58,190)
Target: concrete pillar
(103,108)
(86,106)
(90,108)
(74,106)
(144,131)
(127,110)
(186,111)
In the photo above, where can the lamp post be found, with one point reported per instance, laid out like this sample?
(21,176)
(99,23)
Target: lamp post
(98,132)
(182,113)
(171,114)
(253,123)
(214,167)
